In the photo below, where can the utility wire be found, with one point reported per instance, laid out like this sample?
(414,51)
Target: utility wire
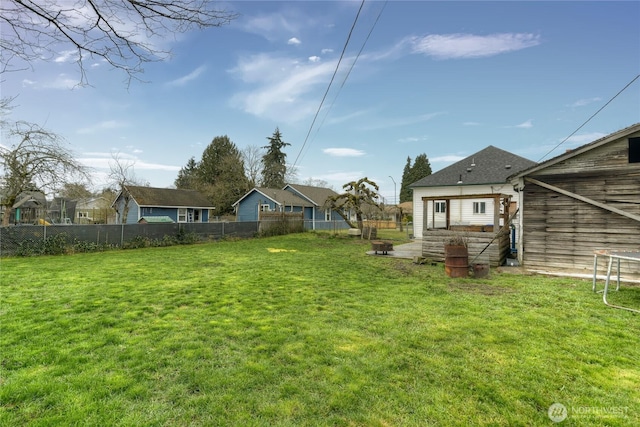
(349,72)
(592,116)
(330,83)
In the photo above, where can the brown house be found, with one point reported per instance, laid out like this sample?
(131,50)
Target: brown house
(581,201)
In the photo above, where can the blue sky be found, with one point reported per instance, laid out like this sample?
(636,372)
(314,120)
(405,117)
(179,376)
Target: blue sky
(442,78)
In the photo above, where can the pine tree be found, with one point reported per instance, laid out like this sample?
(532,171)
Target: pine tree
(188,176)
(274,162)
(420,169)
(405,191)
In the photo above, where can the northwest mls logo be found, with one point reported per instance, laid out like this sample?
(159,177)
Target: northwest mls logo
(557,412)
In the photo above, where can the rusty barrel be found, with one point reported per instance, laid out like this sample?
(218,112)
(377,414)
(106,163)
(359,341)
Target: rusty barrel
(456,261)
(480,270)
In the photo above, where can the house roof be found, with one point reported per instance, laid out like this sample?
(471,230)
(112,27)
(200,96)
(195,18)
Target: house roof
(281,197)
(167,197)
(316,195)
(578,151)
(491,165)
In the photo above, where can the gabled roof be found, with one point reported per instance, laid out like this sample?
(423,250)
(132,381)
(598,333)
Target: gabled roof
(162,219)
(488,166)
(280,197)
(167,197)
(316,195)
(578,151)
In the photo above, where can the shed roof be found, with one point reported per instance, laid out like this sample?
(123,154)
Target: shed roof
(578,151)
(160,219)
(491,165)
(168,197)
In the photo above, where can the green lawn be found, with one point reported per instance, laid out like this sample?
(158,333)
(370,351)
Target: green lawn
(305,330)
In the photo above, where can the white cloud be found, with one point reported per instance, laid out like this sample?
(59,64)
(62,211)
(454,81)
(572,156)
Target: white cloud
(325,51)
(585,138)
(446,159)
(584,102)
(102,126)
(341,177)
(314,58)
(66,56)
(451,46)
(294,41)
(525,125)
(343,152)
(471,124)
(189,77)
(281,86)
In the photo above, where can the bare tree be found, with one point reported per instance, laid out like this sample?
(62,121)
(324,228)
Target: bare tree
(120,32)
(252,158)
(39,161)
(121,174)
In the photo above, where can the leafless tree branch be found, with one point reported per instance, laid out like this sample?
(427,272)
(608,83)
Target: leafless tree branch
(121,32)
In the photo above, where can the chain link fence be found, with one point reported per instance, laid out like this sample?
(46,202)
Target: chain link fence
(15,239)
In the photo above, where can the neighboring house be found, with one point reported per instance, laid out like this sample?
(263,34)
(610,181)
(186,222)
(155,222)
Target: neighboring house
(451,191)
(311,201)
(320,216)
(179,205)
(96,210)
(585,199)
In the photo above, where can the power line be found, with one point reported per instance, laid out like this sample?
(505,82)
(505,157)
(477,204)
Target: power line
(350,69)
(330,83)
(592,116)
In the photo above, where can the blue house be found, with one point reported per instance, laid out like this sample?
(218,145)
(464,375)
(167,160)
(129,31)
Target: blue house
(312,201)
(148,202)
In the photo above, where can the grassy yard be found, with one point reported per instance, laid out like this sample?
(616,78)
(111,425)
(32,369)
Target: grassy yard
(305,330)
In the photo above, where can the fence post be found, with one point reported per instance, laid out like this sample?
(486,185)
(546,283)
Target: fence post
(121,235)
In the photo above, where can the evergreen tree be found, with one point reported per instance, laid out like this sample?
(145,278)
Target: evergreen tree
(405,191)
(220,174)
(420,168)
(188,176)
(274,164)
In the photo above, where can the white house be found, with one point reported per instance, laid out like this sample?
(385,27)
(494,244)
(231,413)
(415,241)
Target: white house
(467,193)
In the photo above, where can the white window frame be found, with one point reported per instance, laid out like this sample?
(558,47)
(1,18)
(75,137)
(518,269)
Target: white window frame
(327,214)
(440,207)
(182,214)
(479,208)
(265,207)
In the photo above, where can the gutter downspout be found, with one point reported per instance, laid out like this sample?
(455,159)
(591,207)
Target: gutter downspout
(519,187)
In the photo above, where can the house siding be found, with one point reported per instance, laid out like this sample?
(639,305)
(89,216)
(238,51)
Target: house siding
(560,233)
(461,211)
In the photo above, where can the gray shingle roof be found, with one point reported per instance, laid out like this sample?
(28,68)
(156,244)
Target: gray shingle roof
(488,166)
(168,197)
(317,195)
(283,197)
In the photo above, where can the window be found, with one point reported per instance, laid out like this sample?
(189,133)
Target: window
(441,207)
(479,207)
(182,214)
(265,208)
(634,150)
(196,215)
(83,214)
(327,215)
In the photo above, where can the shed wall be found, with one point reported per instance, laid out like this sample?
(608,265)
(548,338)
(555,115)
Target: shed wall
(560,233)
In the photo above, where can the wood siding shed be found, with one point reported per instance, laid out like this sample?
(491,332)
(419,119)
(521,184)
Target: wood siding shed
(581,201)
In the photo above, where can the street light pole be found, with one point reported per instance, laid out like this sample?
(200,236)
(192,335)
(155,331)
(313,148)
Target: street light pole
(395,199)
